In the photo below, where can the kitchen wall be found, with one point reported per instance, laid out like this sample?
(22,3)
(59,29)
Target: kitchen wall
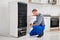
(44,9)
(4,16)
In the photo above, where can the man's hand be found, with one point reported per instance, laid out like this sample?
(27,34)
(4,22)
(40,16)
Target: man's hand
(31,25)
(34,24)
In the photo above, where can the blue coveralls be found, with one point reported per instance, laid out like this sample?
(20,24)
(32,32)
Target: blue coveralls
(37,30)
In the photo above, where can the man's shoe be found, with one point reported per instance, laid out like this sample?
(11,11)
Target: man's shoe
(41,35)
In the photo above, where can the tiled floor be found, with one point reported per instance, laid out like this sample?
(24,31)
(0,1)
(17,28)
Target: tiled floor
(47,36)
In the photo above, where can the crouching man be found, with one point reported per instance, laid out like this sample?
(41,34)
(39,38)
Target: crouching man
(38,25)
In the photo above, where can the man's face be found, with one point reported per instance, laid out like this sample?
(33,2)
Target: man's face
(35,13)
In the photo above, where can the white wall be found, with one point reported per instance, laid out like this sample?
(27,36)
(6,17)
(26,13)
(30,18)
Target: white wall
(44,9)
(25,1)
(4,16)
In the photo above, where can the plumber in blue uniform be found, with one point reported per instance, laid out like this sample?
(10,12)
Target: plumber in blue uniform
(38,25)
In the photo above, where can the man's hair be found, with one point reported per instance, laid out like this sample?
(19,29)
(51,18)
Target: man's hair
(34,10)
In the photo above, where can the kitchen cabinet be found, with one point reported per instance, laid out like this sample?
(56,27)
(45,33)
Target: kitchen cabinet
(32,19)
(35,1)
(58,2)
(47,23)
(38,1)
(44,1)
(53,2)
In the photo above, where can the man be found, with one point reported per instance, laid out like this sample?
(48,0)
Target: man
(38,25)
